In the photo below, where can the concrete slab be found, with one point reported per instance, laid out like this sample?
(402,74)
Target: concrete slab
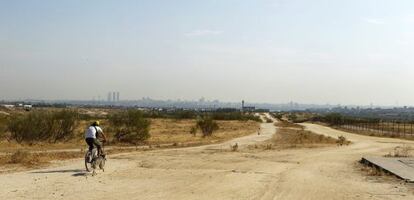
(400,167)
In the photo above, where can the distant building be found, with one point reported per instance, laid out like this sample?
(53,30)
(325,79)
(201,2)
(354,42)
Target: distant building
(113,96)
(247,108)
(27,107)
(7,106)
(117,96)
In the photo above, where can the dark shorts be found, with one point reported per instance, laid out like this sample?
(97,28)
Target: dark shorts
(93,142)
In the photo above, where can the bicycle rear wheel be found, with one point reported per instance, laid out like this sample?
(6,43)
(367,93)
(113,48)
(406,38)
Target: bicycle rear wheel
(88,162)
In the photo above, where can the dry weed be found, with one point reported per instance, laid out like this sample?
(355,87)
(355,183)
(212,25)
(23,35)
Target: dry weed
(401,151)
(234,147)
(343,141)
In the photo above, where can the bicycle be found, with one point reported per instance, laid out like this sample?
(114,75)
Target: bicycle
(92,161)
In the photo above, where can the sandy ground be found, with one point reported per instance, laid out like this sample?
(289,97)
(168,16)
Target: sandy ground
(214,172)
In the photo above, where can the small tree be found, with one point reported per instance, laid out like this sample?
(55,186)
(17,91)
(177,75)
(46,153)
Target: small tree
(207,126)
(64,125)
(130,126)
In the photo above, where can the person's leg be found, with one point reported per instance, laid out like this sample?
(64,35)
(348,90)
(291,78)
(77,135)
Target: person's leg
(90,143)
(98,146)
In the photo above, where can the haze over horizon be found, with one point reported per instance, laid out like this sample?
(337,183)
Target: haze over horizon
(274,51)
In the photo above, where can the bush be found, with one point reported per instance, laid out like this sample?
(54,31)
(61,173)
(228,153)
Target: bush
(342,141)
(207,125)
(43,126)
(130,126)
(3,126)
(292,117)
(278,116)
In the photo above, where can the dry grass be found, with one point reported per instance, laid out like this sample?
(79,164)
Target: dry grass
(291,135)
(286,138)
(25,159)
(164,131)
(292,138)
(286,124)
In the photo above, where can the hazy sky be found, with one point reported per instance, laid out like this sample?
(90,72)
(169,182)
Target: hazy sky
(310,51)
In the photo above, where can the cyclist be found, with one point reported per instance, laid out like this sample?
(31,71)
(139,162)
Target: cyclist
(91,137)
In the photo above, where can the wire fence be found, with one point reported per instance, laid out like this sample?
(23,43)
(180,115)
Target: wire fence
(378,127)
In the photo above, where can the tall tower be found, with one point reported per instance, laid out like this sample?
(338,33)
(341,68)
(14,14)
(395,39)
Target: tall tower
(242,105)
(113,96)
(117,96)
(109,97)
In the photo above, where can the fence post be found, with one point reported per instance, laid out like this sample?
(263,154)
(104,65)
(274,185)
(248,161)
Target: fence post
(378,127)
(398,128)
(404,128)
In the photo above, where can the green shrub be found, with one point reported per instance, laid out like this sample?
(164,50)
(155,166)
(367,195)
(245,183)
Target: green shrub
(207,125)
(43,126)
(3,126)
(130,126)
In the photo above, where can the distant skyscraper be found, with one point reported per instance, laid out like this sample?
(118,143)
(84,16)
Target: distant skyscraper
(113,96)
(117,96)
(109,97)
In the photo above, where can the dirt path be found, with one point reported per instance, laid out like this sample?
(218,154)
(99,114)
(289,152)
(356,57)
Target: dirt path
(214,172)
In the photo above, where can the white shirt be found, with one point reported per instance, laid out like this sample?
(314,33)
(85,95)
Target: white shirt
(91,131)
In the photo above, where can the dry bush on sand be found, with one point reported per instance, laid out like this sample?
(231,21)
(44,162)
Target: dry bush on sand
(343,141)
(372,170)
(401,151)
(234,147)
